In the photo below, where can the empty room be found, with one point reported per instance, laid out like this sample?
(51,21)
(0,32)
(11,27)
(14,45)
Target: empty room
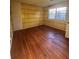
(39,29)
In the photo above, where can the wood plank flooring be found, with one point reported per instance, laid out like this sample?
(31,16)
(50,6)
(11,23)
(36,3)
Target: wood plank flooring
(40,42)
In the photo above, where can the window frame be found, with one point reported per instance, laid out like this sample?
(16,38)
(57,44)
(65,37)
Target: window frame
(56,12)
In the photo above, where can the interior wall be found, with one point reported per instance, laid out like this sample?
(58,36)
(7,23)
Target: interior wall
(31,15)
(26,16)
(11,27)
(16,15)
(11,30)
(56,24)
(59,24)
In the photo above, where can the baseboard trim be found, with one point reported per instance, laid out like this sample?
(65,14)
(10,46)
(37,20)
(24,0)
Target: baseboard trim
(41,25)
(55,27)
(27,28)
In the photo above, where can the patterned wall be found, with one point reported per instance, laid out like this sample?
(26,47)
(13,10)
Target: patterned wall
(31,15)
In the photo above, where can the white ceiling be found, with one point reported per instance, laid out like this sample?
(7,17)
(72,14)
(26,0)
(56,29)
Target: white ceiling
(42,3)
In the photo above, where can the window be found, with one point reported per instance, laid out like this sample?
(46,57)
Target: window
(52,13)
(57,13)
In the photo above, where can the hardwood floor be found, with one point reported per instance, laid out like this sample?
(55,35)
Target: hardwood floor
(40,42)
